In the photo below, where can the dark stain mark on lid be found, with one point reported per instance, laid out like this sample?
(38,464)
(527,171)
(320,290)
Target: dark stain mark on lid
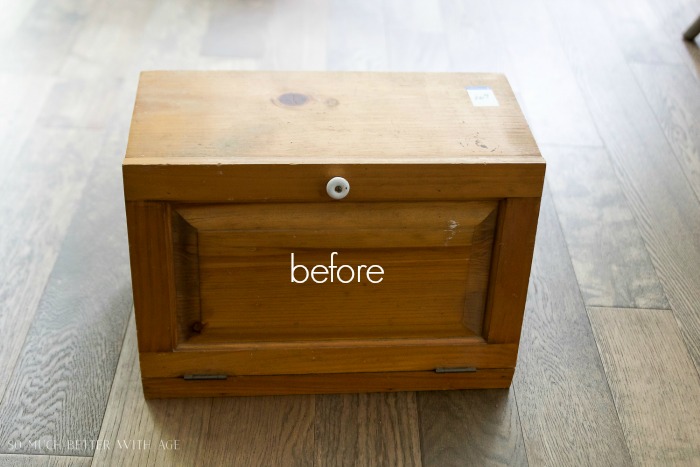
(293,99)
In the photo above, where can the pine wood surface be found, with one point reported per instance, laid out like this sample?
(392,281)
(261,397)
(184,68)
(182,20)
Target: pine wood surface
(613,67)
(433,250)
(297,117)
(510,268)
(180,180)
(336,356)
(328,383)
(244,247)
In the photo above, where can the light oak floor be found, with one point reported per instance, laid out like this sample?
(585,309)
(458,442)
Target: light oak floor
(608,365)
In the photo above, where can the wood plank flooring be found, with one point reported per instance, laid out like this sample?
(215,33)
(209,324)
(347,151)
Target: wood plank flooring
(564,402)
(653,383)
(656,187)
(61,394)
(608,366)
(610,258)
(367,429)
(43,461)
(233,431)
(479,427)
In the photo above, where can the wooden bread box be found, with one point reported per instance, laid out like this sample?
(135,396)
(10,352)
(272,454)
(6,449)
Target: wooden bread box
(310,232)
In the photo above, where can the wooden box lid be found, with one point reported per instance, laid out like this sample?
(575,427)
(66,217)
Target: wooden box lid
(236,118)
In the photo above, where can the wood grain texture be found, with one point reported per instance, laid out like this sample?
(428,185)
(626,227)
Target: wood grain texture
(356,36)
(639,31)
(80,103)
(172,37)
(654,384)
(44,185)
(339,356)
(15,460)
(415,38)
(674,17)
(474,39)
(566,411)
(612,265)
(244,254)
(188,316)
(300,117)
(367,429)
(152,274)
(60,395)
(108,48)
(41,42)
(236,431)
(180,179)
(510,269)
(296,36)
(663,202)
(329,383)
(88,40)
(21,99)
(185,111)
(237,30)
(650,32)
(542,77)
(674,96)
(470,428)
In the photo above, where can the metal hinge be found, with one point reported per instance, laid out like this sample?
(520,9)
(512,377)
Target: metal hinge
(466,369)
(203,377)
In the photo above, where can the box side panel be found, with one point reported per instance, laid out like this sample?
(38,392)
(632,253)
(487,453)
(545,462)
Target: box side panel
(150,251)
(510,269)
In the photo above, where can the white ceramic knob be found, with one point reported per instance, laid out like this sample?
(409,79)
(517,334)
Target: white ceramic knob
(338,188)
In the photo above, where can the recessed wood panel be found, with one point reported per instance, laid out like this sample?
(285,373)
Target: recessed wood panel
(434,256)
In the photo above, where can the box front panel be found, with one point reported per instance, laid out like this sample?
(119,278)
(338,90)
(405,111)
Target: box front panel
(285,273)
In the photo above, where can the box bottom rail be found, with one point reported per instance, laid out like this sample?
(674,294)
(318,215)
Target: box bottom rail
(329,383)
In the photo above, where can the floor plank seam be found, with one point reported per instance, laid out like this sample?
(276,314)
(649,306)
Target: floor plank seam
(26,335)
(679,323)
(116,367)
(638,61)
(419,416)
(607,380)
(56,454)
(313,433)
(517,412)
(676,157)
(630,307)
(678,329)
(566,245)
(635,216)
(590,325)
(572,145)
